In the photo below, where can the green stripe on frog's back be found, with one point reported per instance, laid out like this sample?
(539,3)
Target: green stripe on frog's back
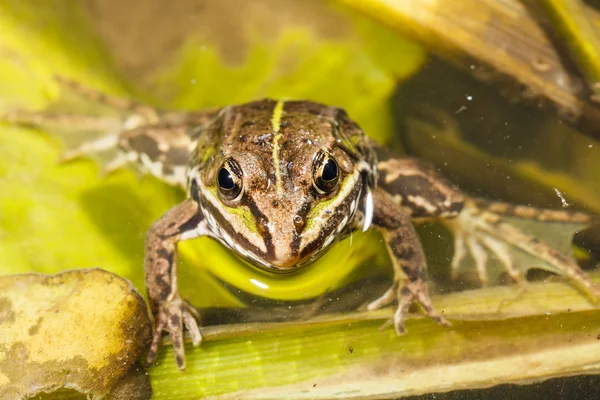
(276,125)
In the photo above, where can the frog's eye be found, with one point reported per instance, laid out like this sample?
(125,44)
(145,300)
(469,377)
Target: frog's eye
(325,173)
(229,179)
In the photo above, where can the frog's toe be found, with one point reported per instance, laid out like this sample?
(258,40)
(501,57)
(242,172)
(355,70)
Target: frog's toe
(175,327)
(480,256)
(385,299)
(502,253)
(415,291)
(406,298)
(192,326)
(172,316)
(475,247)
(481,247)
(422,296)
(460,252)
(160,326)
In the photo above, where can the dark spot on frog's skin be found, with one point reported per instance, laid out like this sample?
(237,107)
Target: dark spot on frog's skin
(165,255)
(402,252)
(192,223)
(177,156)
(175,320)
(315,385)
(275,204)
(145,144)
(164,287)
(351,350)
(455,208)
(194,192)
(421,187)
(162,253)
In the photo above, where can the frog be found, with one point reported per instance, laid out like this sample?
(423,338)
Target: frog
(279,182)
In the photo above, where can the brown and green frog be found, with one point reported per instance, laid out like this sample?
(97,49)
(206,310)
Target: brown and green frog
(280,182)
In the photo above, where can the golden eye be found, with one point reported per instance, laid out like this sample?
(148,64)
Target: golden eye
(326,173)
(229,179)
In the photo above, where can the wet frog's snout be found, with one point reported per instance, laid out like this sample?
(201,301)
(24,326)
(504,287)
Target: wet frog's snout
(284,234)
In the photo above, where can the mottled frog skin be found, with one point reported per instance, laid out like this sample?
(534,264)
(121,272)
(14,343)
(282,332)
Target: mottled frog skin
(278,182)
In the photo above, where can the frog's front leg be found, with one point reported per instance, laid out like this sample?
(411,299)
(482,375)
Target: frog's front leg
(171,312)
(408,259)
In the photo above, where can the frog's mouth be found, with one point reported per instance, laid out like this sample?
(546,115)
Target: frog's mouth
(284,256)
(287,266)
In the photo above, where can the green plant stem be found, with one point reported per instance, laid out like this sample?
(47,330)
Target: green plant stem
(499,335)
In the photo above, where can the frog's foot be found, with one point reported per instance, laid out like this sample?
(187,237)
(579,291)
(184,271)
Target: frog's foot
(406,294)
(172,316)
(483,229)
(468,240)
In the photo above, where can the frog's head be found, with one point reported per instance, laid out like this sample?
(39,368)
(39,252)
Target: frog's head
(278,182)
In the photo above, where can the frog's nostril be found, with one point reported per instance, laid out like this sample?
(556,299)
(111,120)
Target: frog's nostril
(263,226)
(299,222)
